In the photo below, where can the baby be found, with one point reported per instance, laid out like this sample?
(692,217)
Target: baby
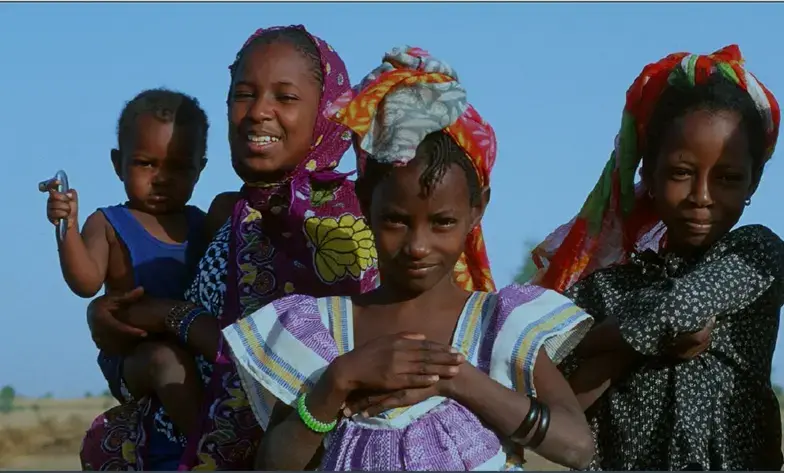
(147,242)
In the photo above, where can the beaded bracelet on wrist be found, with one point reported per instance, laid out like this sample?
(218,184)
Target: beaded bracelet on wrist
(187,322)
(309,421)
(176,316)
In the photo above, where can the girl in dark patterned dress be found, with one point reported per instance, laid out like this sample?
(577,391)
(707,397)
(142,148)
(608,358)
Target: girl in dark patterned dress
(687,308)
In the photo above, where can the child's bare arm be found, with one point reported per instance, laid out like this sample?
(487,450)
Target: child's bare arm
(84,258)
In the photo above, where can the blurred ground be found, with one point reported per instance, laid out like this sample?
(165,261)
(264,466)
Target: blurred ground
(45,435)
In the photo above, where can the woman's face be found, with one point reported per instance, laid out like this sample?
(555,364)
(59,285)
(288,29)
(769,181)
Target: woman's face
(273,107)
(702,178)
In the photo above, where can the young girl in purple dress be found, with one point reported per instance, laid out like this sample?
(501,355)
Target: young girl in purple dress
(419,374)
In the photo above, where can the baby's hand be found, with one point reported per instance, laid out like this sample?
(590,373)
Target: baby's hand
(62,205)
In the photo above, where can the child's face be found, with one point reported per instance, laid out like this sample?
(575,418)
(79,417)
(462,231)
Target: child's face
(160,165)
(702,177)
(272,111)
(420,238)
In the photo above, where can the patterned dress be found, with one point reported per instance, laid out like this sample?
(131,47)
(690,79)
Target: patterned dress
(283,349)
(208,290)
(717,411)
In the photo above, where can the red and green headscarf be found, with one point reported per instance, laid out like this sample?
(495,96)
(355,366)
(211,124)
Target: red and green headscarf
(618,217)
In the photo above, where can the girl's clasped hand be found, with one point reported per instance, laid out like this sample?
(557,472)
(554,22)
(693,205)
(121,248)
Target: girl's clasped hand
(396,370)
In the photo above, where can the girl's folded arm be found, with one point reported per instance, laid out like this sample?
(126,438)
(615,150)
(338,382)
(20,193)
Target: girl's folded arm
(750,264)
(568,441)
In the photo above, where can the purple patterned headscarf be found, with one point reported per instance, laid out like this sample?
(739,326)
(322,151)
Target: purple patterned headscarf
(283,216)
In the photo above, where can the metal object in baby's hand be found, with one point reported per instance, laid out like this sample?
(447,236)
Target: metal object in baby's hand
(62,187)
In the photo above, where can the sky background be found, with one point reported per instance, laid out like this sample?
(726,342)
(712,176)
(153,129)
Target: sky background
(550,78)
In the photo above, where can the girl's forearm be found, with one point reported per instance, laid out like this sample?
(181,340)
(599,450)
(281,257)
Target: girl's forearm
(498,406)
(565,441)
(291,445)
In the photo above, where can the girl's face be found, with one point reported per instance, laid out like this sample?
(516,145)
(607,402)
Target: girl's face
(702,178)
(273,107)
(420,238)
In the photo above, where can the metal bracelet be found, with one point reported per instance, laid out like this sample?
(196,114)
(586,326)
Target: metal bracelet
(523,430)
(542,427)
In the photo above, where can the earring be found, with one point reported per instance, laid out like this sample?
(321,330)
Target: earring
(747,202)
(650,194)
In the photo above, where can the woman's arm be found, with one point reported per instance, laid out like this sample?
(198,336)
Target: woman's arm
(192,324)
(140,315)
(568,441)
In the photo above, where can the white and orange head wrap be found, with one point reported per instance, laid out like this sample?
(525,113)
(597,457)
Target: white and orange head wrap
(410,95)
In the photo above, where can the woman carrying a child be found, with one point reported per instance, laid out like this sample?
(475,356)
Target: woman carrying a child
(426,372)
(295,226)
(687,308)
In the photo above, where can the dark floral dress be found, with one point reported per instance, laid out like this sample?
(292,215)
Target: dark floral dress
(717,411)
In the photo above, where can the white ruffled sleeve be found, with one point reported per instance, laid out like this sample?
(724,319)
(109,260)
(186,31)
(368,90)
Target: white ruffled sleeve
(280,351)
(527,318)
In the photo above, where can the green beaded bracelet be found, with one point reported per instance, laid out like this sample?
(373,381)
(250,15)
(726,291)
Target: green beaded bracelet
(312,423)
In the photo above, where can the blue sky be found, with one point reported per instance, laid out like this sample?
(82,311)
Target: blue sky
(550,78)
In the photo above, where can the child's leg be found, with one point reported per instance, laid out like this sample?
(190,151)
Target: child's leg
(168,371)
(111,366)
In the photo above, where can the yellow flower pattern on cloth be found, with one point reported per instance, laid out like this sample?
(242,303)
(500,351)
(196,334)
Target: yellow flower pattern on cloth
(340,246)
(129,451)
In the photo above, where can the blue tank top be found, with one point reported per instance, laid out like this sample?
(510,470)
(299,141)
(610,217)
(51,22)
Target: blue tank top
(164,270)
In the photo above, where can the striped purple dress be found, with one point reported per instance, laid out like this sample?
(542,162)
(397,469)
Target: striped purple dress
(282,350)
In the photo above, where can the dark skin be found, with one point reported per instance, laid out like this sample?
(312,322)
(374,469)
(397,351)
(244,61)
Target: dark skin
(159,167)
(700,182)
(274,94)
(273,106)
(402,358)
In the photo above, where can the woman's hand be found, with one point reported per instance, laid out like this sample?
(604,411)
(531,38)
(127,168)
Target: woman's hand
(109,333)
(396,362)
(147,313)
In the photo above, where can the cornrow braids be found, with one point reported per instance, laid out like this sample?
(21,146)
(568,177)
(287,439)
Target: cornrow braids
(294,36)
(716,94)
(167,106)
(439,151)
